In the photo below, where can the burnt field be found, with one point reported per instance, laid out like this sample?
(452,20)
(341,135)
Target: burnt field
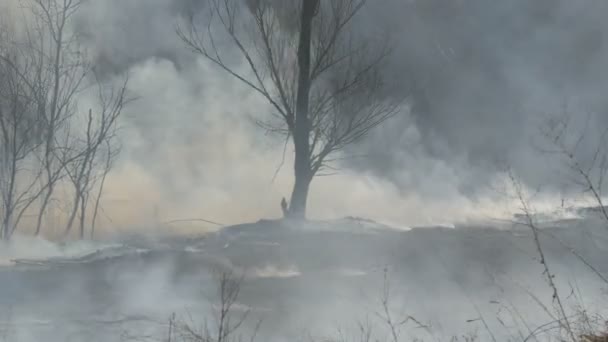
(303,279)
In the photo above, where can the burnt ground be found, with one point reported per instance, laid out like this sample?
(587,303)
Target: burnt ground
(302,277)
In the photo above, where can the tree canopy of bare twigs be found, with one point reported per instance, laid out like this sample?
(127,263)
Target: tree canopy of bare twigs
(562,317)
(581,147)
(227,320)
(100,133)
(63,67)
(584,152)
(19,129)
(47,140)
(322,80)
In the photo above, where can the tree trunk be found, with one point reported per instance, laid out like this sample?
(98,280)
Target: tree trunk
(6,225)
(301,134)
(50,175)
(83,213)
(9,206)
(299,197)
(42,210)
(68,227)
(98,199)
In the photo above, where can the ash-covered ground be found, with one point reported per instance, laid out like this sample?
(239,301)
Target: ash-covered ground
(307,280)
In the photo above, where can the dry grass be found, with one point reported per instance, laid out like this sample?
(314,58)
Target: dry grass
(595,338)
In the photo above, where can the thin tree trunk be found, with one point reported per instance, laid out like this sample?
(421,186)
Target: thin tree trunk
(80,182)
(45,202)
(19,215)
(96,207)
(8,213)
(98,199)
(83,213)
(7,221)
(72,216)
(52,122)
(78,195)
(6,225)
(10,206)
(301,134)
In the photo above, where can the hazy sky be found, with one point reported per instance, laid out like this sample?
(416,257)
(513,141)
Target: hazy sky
(481,77)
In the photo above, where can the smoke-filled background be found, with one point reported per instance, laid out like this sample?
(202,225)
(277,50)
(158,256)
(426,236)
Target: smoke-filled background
(481,79)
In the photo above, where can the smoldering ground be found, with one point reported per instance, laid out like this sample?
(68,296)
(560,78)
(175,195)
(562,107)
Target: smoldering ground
(452,281)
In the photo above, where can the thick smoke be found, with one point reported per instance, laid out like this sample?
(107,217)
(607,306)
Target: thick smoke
(481,79)
(484,77)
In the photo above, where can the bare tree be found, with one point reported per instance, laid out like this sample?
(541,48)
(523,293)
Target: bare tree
(584,153)
(563,320)
(47,74)
(111,152)
(227,320)
(322,79)
(100,132)
(581,146)
(393,324)
(19,128)
(61,67)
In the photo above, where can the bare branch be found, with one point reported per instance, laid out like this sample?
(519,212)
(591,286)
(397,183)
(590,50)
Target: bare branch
(100,131)
(557,133)
(529,222)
